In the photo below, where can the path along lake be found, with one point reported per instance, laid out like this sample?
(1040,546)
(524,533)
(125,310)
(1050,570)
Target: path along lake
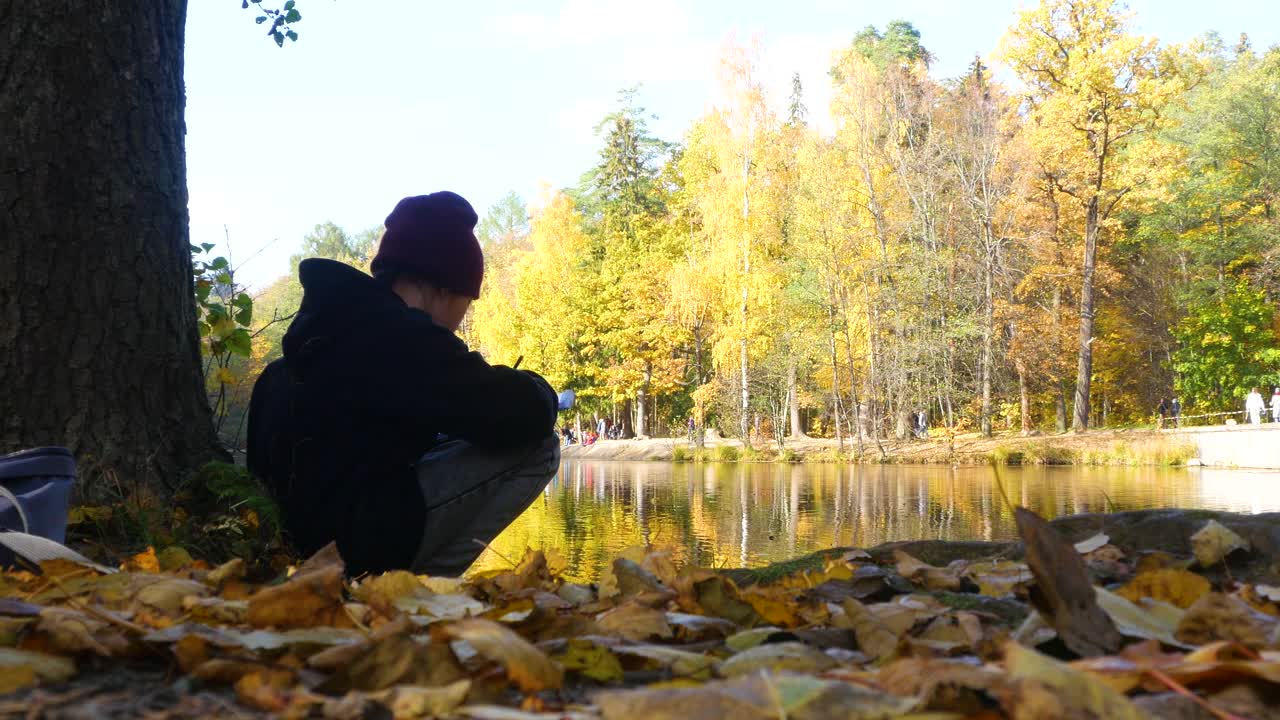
(752,514)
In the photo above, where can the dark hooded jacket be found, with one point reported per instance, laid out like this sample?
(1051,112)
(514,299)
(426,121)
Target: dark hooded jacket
(366,386)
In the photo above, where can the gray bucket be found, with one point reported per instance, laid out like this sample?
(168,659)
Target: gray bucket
(35,493)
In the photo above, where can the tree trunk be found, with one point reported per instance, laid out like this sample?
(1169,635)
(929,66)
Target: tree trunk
(1024,410)
(793,400)
(627,410)
(1059,407)
(1084,365)
(988,333)
(642,395)
(744,423)
(98,343)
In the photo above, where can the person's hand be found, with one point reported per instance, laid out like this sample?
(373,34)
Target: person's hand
(565,399)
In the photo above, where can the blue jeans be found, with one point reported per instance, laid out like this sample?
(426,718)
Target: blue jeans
(474,493)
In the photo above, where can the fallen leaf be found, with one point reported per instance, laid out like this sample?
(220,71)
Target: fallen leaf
(998,578)
(1144,619)
(74,632)
(635,622)
(1086,546)
(750,638)
(784,656)
(1215,541)
(1071,693)
(422,702)
(719,596)
(265,689)
(389,587)
(680,662)
(1063,592)
(754,697)
(233,569)
(23,668)
(145,561)
(173,557)
(307,599)
(633,579)
(1176,587)
(590,660)
(925,575)
(1218,616)
(698,627)
(526,666)
(775,605)
(874,638)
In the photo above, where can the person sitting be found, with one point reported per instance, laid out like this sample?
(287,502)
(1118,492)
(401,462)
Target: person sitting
(379,429)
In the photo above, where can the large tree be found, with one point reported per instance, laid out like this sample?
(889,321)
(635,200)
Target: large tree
(1093,92)
(98,341)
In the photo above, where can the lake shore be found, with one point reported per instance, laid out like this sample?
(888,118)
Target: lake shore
(1096,447)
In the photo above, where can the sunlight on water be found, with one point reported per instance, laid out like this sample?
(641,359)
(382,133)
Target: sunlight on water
(745,515)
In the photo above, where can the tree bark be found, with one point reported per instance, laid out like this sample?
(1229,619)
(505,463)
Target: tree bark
(1084,364)
(98,343)
(1024,410)
(793,399)
(988,333)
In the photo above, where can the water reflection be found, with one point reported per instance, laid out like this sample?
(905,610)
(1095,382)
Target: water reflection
(747,515)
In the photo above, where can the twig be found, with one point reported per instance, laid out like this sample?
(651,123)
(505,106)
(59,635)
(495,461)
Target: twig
(491,549)
(1181,689)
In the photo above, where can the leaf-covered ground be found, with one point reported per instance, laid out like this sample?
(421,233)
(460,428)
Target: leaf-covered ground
(1088,630)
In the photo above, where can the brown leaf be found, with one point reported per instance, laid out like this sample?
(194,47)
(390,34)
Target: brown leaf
(926,575)
(1217,616)
(998,578)
(718,596)
(307,599)
(233,569)
(265,689)
(633,579)
(74,632)
(1063,592)
(635,622)
(423,702)
(874,638)
(527,666)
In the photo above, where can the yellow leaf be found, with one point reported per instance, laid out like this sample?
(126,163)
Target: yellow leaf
(1215,541)
(225,376)
(1177,587)
(527,666)
(1058,689)
(590,660)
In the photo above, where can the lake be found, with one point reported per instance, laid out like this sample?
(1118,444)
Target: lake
(747,515)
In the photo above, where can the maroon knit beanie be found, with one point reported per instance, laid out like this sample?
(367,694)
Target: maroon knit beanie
(432,236)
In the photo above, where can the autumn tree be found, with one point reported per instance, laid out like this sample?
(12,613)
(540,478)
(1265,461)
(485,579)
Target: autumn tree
(1093,93)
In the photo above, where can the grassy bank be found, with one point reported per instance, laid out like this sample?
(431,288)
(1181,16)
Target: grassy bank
(1114,447)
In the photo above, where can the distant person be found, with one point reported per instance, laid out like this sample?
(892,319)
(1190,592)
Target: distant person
(1162,413)
(600,427)
(1175,409)
(1275,406)
(1253,407)
(378,429)
(692,430)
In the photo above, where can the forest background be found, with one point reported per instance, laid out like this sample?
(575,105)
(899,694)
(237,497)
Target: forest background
(1060,251)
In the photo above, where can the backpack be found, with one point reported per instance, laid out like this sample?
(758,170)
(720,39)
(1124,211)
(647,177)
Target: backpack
(35,494)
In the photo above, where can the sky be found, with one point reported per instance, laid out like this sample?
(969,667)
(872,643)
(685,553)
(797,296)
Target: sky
(380,99)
